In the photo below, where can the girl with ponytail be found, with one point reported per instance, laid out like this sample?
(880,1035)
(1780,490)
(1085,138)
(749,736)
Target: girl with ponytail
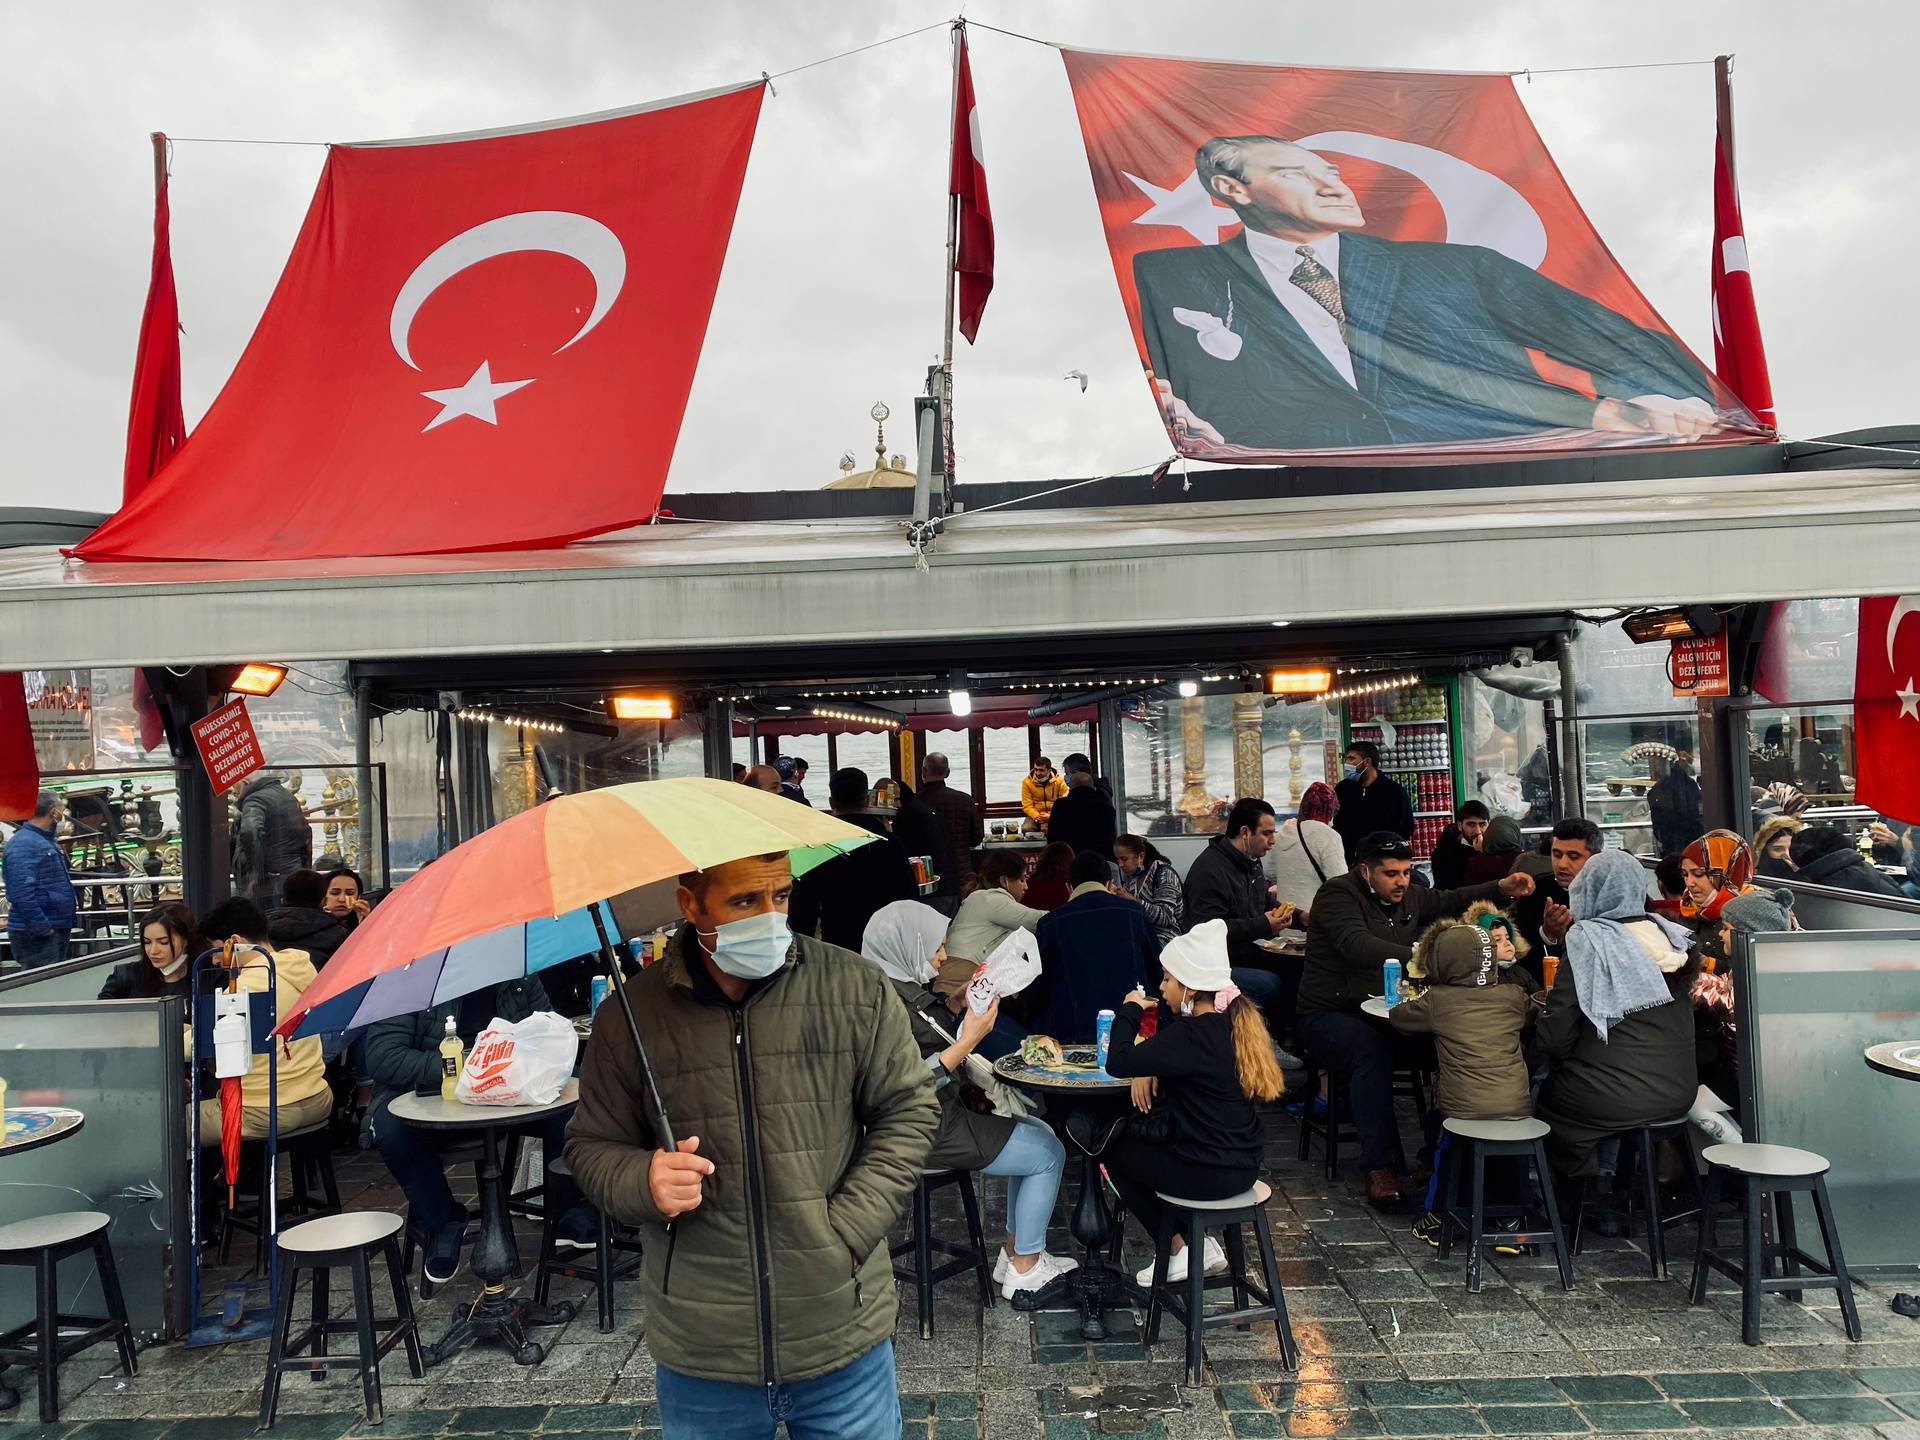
(1202,1073)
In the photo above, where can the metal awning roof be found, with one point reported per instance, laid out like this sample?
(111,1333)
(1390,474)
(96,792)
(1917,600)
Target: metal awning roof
(710,586)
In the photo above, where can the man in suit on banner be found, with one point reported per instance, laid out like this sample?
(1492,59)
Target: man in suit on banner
(1303,333)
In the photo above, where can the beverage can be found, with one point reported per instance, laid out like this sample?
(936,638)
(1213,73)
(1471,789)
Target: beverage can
(1390,982)
(598,990)
(1102,1037)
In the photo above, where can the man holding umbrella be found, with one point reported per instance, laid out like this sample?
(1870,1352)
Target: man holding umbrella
(792,1115)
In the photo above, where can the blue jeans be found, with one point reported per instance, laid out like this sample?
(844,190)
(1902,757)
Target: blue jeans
(1361,1053)
(859,1401)
(1032,1160)
(32,951)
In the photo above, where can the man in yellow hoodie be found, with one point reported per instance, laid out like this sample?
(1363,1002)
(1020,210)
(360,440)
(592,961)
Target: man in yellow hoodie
(301,1082)
(1041,787)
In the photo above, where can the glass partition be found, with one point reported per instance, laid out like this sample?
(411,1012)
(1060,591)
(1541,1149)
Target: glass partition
(1188,760)
(120,1064)
(1810,1006)
(1643,781)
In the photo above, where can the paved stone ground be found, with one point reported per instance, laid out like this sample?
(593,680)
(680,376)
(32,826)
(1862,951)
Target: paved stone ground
(1391,1344)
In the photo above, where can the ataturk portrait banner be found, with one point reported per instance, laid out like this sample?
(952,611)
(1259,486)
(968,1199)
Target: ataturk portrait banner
(1364,266)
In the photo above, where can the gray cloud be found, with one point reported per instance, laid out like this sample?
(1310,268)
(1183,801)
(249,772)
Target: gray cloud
(832,290)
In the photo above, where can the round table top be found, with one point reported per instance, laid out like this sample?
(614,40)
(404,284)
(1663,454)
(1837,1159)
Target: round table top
(28,1127)
(430,1112)
(1375,1005)
(1079,1076)
(1278,945)
(1899,1058)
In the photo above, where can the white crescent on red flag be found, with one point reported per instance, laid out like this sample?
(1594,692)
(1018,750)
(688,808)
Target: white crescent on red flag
(1738,354)
(479,342)
(1886,706)
(967,179)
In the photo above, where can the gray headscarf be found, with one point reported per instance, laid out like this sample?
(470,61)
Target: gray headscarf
(1613,976)
(901,939)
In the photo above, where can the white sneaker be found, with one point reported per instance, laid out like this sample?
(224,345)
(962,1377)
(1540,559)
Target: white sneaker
(1000,1266)
(1215,1261)
(1044,1271)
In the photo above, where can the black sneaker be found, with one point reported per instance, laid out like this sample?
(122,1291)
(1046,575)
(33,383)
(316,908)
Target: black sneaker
(443,1256)
(1427,1228)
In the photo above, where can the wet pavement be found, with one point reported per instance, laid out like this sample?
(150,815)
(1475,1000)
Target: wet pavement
(1390,1343)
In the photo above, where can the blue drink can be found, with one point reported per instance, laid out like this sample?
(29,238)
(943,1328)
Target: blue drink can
(1390,982)
(1102,1037)
(599,990)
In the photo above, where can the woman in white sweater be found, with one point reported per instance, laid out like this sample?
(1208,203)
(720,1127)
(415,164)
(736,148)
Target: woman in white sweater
(1308,851)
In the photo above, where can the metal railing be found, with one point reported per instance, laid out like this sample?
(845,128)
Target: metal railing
(17,977)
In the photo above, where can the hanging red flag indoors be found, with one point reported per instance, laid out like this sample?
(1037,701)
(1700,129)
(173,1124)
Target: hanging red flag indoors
(967,180)
(19,766)
(1368,266)
(1886,706)
(479,342)
(1738,354)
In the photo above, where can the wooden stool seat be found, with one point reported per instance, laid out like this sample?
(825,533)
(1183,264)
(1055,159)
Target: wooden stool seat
(42,1343)
(1482,1140)
(348,1240)
(1192,1219)
(1759,1171)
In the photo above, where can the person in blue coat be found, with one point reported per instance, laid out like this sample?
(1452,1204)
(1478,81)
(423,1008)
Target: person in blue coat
(40,898)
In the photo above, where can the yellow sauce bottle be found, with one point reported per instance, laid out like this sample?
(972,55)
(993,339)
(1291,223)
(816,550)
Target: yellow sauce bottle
(452,1053)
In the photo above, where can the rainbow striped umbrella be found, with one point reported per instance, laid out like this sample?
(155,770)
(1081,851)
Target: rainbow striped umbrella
(549,862)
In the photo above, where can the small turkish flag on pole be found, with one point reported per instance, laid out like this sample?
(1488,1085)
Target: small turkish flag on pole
(156,425)
(1738,353)
(1886,707)
(972,223)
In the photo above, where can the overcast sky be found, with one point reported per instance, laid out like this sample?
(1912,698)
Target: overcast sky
(831,298)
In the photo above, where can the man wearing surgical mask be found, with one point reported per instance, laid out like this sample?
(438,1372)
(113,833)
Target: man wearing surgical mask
(1369,801)
(797,1113)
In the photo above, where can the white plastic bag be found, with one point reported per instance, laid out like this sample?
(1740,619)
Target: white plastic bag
(526,1062)
(1013,965)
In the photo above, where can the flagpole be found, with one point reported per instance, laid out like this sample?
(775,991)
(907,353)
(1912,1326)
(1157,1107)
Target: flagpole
(953,261)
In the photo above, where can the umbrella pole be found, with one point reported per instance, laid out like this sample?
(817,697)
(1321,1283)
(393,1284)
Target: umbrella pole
(618,978)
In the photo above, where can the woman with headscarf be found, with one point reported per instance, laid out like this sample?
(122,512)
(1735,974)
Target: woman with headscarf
(1307,852)
(1618,1028)
(1498,850)
(907,940)
(1771,843)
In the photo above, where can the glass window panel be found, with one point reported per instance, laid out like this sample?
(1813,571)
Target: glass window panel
(1809,749)
(1634,791)
(1293,742)
(1808,650)
(953,745)
(1622,678)
(1007,763)
(1505,738)
(868,752)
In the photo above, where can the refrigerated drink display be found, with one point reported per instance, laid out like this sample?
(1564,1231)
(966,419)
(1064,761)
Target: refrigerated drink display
(1420,756)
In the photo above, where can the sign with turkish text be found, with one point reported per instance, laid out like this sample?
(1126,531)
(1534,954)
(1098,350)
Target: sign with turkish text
(480,342)
(1367,266)
(60,711)
(228,747)
(1699,666)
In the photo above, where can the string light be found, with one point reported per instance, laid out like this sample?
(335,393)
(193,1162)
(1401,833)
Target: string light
(1372,687)
(503,717)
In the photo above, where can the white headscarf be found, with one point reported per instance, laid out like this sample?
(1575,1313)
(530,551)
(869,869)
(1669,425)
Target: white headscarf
(901,939)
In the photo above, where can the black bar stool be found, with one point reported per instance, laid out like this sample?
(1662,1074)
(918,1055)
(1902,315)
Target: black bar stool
(348,1240)
(1483,1139)
(1637,1150)
(1192,1220)
(1336,1128)
(603,1270)
(1779,1171)
(40,1344)
(310,1152)
(921,1244)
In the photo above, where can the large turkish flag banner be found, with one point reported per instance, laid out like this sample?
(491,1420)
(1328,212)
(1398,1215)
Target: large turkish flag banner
(1886,707)
(479,342)
(1457,301)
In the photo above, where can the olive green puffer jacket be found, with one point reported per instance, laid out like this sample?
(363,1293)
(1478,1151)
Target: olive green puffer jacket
(812,1102)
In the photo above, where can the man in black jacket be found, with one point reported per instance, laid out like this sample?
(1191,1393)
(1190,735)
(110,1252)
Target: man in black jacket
(1369,801)
(403,1055)
(1358,922)
(301,921)
(271,839)
(1458,843)
(1543,917)
(1083,817)
(834,901)
(1227,882)
(965,828)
